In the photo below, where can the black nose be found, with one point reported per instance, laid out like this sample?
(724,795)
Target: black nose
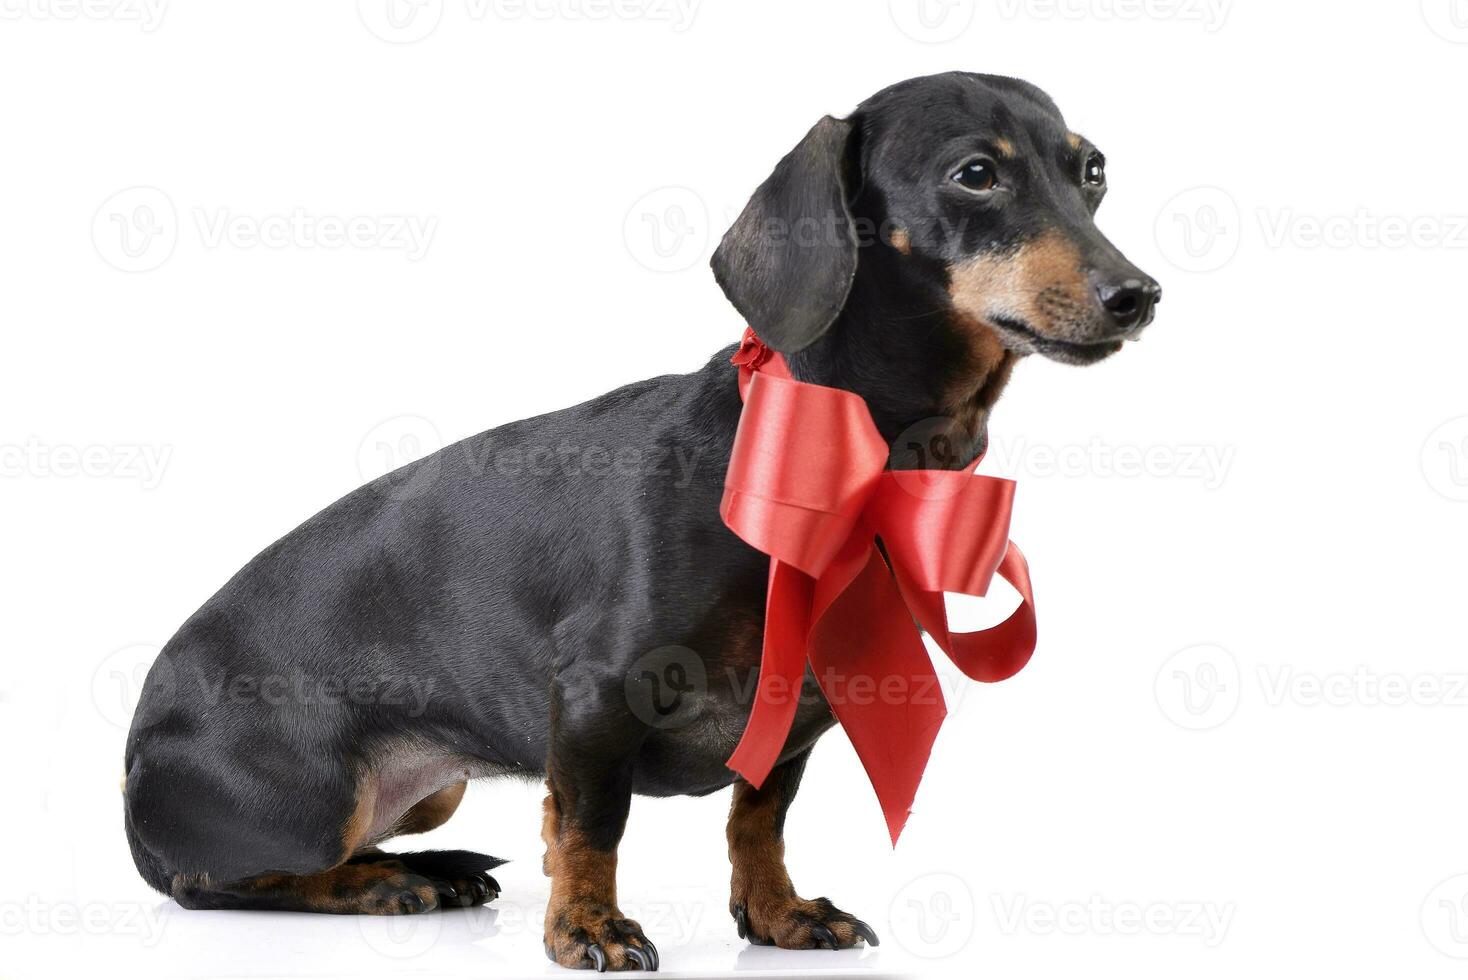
(1130,301)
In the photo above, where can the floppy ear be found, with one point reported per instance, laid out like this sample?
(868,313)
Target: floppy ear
(788,261)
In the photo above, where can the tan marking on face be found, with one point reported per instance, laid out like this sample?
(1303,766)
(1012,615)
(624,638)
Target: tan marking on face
(901,240)
(1005,147)
(1074,140)
(1041,284)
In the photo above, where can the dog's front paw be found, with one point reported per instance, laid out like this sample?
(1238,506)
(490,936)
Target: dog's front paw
(792,922)
(598,938)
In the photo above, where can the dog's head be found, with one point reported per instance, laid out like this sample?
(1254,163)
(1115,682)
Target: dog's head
(951,214)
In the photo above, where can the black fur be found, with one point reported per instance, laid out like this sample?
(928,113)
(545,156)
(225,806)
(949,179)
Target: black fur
(496,604)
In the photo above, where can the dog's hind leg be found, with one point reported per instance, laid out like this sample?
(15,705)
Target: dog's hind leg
(198,838)
(372,883)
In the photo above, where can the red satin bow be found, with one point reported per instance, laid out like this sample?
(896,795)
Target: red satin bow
(808,485)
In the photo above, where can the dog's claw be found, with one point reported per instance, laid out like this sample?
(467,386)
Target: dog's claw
(639,957)
(741,923)
(865,932)
(652,952)
(823,936)
(492,885)
(598,958)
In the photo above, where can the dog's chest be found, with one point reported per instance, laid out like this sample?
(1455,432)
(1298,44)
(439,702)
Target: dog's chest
(704,705)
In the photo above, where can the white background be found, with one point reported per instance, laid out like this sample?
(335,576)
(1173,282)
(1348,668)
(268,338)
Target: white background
(1236,750)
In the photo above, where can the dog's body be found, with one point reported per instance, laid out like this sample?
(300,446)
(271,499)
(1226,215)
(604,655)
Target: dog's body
(492,609)
(418,580)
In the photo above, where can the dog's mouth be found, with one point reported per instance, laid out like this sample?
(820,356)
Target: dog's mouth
(1021,338)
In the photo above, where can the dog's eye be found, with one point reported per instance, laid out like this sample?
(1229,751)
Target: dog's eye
(1095,170)
(977,175)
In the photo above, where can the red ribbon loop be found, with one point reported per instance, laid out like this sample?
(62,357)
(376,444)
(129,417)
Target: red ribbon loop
(807,484)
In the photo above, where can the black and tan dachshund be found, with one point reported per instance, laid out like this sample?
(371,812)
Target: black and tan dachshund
(475,615)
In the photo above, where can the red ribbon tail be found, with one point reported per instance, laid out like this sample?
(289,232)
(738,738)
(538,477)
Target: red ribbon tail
(987,655)
(782,671)
(872,666)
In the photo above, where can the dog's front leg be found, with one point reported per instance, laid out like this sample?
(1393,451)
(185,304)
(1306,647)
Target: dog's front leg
(762,899)
(590,781)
